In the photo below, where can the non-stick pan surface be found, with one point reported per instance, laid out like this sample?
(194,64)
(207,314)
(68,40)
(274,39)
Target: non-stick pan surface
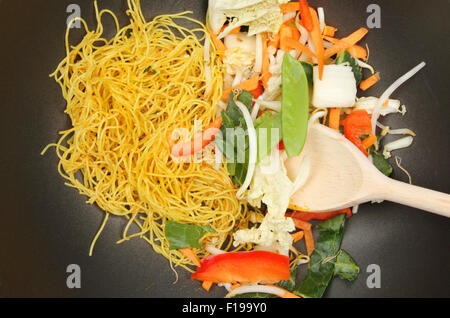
(46,226)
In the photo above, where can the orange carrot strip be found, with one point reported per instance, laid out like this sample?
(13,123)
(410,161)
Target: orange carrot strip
(248,85)
(234,31)
(386,103)
(335,116)
(305,13)
(329,31)
(220,47)
(347,42)
(369,82)
(275,41)
(291,44)
(331,39)
(234,286)
(287,294)
(297,236)
(207,285)
(309,242)
(358,52)
(316,36)
(189,253)
(369,141)
(290,7)
(266,75)
(288,33)
(302,225)
(193,146)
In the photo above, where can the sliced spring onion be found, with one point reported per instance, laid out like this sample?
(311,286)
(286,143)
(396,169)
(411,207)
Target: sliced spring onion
(390,90)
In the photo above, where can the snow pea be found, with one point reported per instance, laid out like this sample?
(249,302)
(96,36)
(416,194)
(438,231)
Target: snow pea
(294,106)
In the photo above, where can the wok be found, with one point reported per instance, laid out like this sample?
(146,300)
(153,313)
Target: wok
(46,226)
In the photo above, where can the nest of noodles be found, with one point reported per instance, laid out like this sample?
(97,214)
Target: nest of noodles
(124,96)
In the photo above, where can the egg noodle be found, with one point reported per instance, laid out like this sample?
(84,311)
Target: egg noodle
(124,96)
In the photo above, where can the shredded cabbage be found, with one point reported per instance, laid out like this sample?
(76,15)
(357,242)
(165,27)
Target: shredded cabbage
(259,15)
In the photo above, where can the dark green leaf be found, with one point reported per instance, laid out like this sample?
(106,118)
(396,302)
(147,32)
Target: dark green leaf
(345,267)
(321,271)
(345,57)
(308,67)
(381,163)
(295,105)
(185,235)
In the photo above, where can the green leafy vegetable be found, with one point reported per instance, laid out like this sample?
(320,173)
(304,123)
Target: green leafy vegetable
(345,267)
(233,135)
(345,57)
(185,235)
(380,162)
(309,71)
(295,105)
(324,259)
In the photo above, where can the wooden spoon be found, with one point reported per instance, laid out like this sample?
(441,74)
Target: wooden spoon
(341,177)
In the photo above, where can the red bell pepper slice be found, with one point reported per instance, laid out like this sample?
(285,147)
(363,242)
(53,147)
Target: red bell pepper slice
(322,216)
(244,267)
(356,125)
(257,91)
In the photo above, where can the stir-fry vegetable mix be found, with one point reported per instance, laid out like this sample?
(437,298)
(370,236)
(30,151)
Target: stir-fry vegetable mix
(285,65)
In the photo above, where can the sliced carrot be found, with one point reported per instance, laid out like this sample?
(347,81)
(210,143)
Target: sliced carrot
(331,39)
(347,42)
(266,75)
(297,236)
(275,41)
(207,285)
(220,47)
(189,253)
(369,82)
(287,294)
(386,103)
(302,225)
(234,286)
(234,31)
(290,7)
(305,13)
(335,116)
(329,31)
(192,147)
(248,85)
(358,52)
(369,141)
(316,36)
(291,44)
(309,242)
(288,33)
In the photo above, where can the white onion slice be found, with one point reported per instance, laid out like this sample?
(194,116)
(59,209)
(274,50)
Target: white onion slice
(288,16)
(256,289)
(390,90)
(252,152)
(213,250)
(272,105)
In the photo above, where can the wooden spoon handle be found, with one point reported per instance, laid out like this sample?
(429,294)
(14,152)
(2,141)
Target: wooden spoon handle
(417,197)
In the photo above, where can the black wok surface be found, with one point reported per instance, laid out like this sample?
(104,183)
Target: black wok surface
(45,226)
